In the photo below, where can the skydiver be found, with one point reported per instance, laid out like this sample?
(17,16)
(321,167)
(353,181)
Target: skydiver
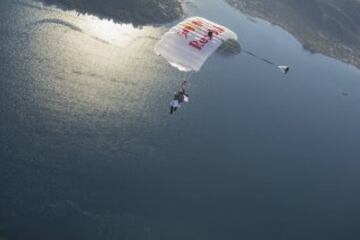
(210,34)
(179,98)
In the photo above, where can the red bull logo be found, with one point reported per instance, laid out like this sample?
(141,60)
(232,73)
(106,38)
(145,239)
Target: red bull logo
(199,27)
(191,27)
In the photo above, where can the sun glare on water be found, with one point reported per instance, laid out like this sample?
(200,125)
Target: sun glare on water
(97,61)
(109,31)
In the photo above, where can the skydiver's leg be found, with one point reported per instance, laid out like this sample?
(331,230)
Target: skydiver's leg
(173,109)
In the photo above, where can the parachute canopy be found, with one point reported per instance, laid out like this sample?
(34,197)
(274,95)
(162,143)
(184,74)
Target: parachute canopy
(187,45)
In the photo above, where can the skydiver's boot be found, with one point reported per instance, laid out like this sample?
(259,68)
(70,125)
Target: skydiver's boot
(173,109)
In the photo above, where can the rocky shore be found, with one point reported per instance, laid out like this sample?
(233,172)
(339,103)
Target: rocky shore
(328,27)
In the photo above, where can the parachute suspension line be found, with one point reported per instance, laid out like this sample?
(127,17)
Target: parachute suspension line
(187,76)
(259,58)
(283,68)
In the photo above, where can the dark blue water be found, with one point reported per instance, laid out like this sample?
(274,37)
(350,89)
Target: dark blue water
(88,150)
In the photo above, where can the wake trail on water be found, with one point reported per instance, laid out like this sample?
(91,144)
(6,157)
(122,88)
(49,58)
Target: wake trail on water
(59,22)
(56,21)
(65,24)
(69,25)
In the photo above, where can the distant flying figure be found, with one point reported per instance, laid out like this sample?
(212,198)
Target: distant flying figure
(210,34)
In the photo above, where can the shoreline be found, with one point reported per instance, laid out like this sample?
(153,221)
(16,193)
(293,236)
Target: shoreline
(333,37)
(137,12)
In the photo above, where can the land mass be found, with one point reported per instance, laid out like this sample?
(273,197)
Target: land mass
(137,12)
(329,27)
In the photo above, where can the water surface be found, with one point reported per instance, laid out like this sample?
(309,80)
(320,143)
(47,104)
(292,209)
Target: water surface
(88,149)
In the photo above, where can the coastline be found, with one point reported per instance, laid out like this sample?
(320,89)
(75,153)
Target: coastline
(137,12)
(326,28)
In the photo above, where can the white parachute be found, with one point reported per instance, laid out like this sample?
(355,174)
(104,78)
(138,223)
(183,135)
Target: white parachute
(187,45)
